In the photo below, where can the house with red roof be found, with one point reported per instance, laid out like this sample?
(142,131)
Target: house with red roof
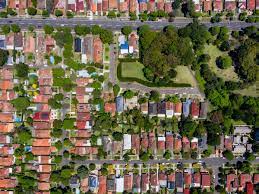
(144,141)
(102,184)
(185,144)
(7,183)
(196,179)
(136,183)
(152,142)
(98,50)
(71,5)
(195,109)
(178,109)
(151,6)
(6,117)
(251,5)
(244,179)
(205,181)
(168,7)
(187,179)
(41,151)
(80,6)
(133,4)
(207,5)
(217,5)
(161,144)
(177,144)
(123,6)
(113,5)
(249,188)
(43,186)
(162,178)
(230,5)
(142,7)
(6,127)
(135,143)
(194,143)
(160,5)
(186,191)
(128,182)
(154,186)
(256,178)
(169,139)
(110,107)
(6,161)
(144,182)
(228,143)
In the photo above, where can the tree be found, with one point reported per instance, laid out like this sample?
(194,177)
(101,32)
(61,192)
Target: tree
(214,30)
(188,8)
(117,136)
(31,28)
(133,16)
(24,135)
(128,94)
(15,28)
(6,29)
(69,14)
(106,36)
(116,89)
(48,29)
(3,14)
(224,62)
(167,154)
(144,156)
(3,57)
(31,11)
(242,16)
(228,155)
(58,13)
(21,103)
(82,171)
(22,70)
(111,14)
(250,156)
(11,12)
(126,30)
(58,145)
(45,13)
(225,46)
(177,4)
(82,30)
(92,166)
(104,171)
(126,157)
(154,96)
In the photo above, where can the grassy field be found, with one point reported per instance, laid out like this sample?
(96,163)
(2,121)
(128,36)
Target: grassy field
(184,76)
(249,91)
(133,69)
(225,74)
(106,52)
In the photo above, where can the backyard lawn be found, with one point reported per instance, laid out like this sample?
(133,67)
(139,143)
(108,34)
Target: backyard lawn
(184,76)
(106,52)
(225,74)
(133,70)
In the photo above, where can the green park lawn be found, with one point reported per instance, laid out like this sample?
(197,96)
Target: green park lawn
(249,91)
(107,52)
(225,74)
(133,70)
(184,75)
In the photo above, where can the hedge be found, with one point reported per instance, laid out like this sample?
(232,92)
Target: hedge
(146,83)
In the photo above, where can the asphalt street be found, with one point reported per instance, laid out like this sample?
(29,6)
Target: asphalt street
(115,24)
(216,162)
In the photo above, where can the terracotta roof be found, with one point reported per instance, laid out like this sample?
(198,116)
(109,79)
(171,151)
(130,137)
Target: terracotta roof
(6,161)
(256,178)
(102,184)
(44,177)
(153,179)
(6,150)
(142,6)
(83,133)
(128,182)
(43,186)
(195,109)
(160,5)
(135,143)
(245,178)
(232,182)
(44,159)
(6,127)
(46,90)
(249,188)
(197,178)
(29,46)
(113,4)
(144,141)
(41,116)
(46,168)
(205,180)
(171,177)
(110,107)
(168,7)
(7,183)
(12,4)
(98,50)
(105,5)
(6,117)
(41,151)
(83,116)
(132,5)
(41,125)
(169,138)
(251,4)
(178,107)
(41,142)
(4,173)
(230,5)
(177,144)
(187,179)
(186,191)
(228,143)
(123,6)
(144,182)
(83,81)
(79,5)
(6,84)
(151,5)
(41,98)
(186,143)
(6,73)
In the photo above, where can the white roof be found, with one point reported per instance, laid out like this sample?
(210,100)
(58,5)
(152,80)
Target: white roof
(242,129)
(126,141)
(131,49)
(119,182)
(239,149)
(121,39)
(194,140)
(71,1)
(161,138)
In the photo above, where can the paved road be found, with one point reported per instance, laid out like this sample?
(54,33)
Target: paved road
(114,24)
(145,89)
(208,161)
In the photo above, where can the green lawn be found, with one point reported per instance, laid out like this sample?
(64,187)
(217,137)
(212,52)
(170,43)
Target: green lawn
(133,70)
(249,91)
(225,74)
(184,76)
(106,52)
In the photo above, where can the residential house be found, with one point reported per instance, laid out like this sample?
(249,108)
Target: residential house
(161,109)
(71,5)
(251,5)
(119,184)
(102,184)
(78,45)
(144,108)
(41,4)
(186,107)
(179,181)
(171,182)
(93,182)
(110,107)
(161,144)
(185,144)
(135,143)
(98,50)
(119,104)
(177,144)
(2,4)
(217,5)
(178,109)
(203,110)
(111,184)
(131,103)
(136,188)
(244,179)
(162,177)
(29,44)
(205,181)
(152,108)
(230,5)
(169,106)
(232,183)
(196,180)
(128,182)
(18,41)
(187,179)
(144,183)
(126,142)
(87,51)
(207,5)
(195,109)
(169,139)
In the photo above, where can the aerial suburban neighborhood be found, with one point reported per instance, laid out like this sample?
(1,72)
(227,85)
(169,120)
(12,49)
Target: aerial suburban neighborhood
(107,96)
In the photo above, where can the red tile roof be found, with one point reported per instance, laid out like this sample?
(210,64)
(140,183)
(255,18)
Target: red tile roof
(6,117)
(80,5)
(6,73)
(44,177)
(43,186)
(249,188)
(83,133)
(144,182)
(135,143)
(105,5)
(187,179)
(6,161)
(6,84)
(6,127)
(153,179)
(41,142)
(102,185)
(46,168)
(98,50)
(41,151)
(228,143)
(7,183)
(41,125)
(171,177)
(205,180)
(256,178)
(110,107)
(160,6)
(245,178)
(83,116)
(151,6)
(123,6)
(232,182)
(195,109)
(197,178)
(251,4)
(113,4)
(169,141)
(177,144)
(186,191)
(41,116)
(4,173)
(178,107)
(142,6)
(230,5)
(128,182)
(168,7)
